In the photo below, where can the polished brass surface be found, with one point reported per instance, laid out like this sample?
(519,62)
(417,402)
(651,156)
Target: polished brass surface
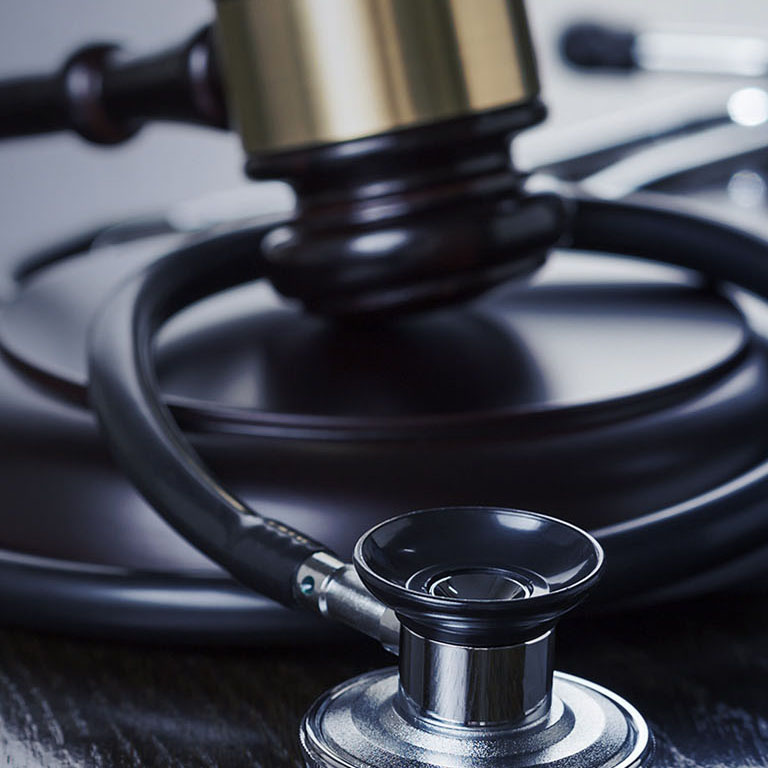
(305,72)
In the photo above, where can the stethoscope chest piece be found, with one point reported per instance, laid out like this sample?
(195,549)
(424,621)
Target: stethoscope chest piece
(478,592)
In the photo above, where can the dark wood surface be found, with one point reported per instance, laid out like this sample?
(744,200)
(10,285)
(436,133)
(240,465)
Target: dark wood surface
(698,671)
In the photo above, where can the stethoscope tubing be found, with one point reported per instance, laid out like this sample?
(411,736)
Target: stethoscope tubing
(164,467)
(677,541)
(262,553)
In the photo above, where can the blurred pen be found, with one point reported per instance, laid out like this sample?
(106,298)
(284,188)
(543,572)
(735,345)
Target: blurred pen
(596,46)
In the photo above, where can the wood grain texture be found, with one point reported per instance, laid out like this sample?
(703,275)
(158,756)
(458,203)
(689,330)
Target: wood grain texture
(699,672)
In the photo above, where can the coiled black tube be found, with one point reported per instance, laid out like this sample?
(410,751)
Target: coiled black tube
(262,553)
(679,538)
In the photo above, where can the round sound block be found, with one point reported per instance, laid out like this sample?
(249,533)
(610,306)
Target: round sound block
(603,391)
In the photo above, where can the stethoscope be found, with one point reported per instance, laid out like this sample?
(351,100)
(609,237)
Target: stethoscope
(462,617)
(471,611)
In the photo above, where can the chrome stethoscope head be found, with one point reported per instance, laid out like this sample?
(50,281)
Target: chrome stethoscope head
(477,592)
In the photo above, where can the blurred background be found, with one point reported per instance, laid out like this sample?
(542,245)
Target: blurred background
(52,186)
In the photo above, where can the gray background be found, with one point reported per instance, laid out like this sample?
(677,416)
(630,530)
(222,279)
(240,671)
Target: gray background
(51,186)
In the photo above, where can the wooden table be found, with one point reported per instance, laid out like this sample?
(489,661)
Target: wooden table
(698,671)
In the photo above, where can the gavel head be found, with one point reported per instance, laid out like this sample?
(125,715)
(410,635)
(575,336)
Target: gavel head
(390,119)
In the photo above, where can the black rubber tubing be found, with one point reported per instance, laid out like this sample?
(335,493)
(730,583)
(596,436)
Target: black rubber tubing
(264,554)
(678,540)
(146,442)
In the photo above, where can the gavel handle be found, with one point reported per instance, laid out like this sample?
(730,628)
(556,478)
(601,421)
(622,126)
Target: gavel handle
(106,97)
